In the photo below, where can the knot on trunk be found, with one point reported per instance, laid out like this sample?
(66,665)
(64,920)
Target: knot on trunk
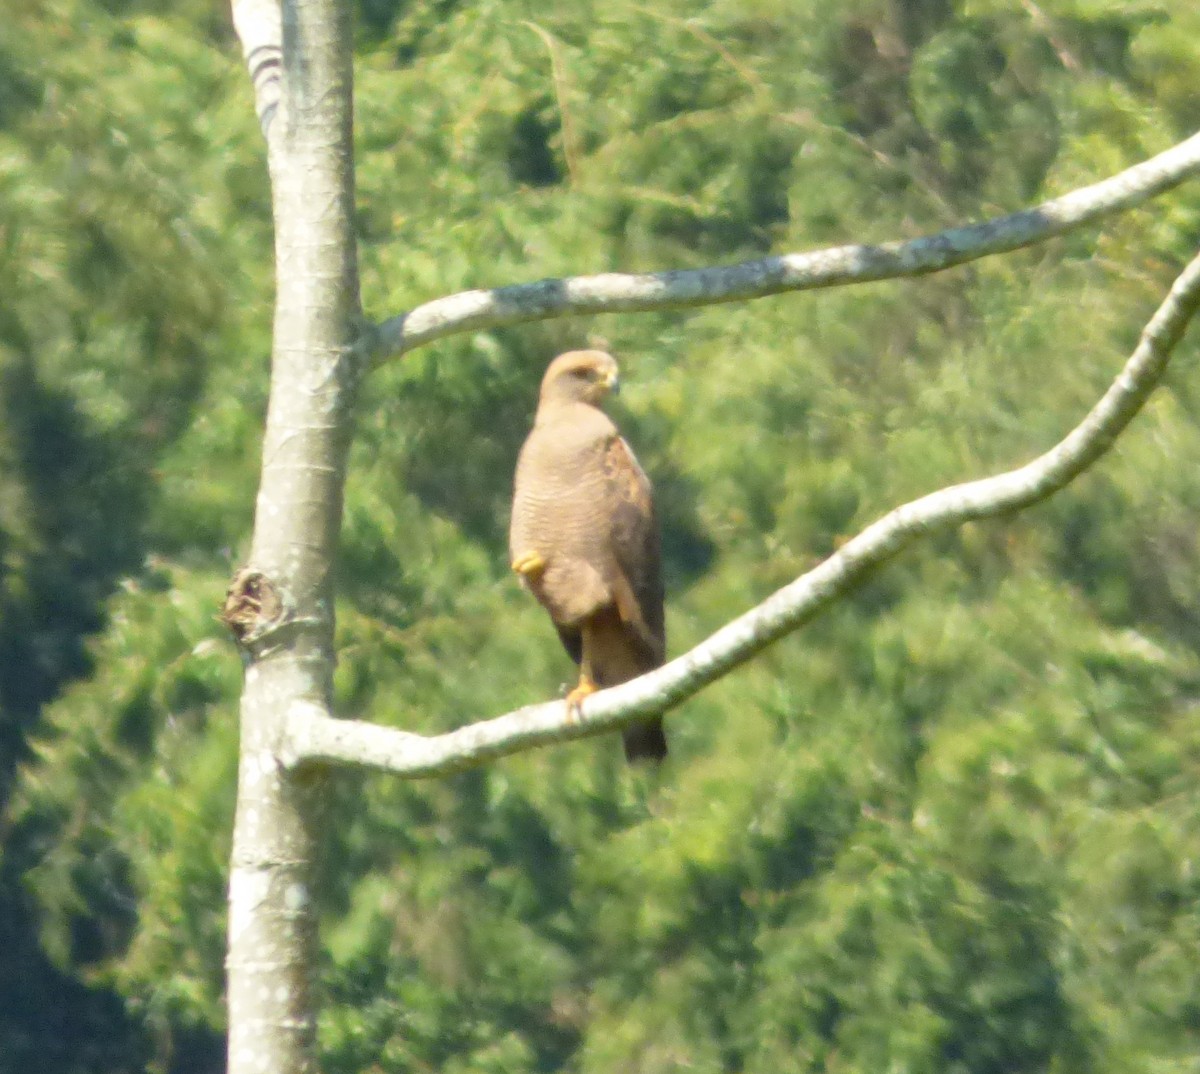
(253,606)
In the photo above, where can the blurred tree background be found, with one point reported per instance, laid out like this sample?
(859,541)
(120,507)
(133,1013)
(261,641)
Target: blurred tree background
(953,826)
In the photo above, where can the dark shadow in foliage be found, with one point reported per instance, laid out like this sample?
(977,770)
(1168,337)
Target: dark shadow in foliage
(375,18)
(49,1022)
(1130,570)
(18,92)
(687,549)
(515,834)
(196,1050)
(1105,44)
(467,426)
(917,20)
(531,161)
(373,573)
(753,206)
(402,23)
(71,528)
(871,84)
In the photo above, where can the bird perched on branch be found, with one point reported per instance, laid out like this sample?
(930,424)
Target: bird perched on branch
(584,538)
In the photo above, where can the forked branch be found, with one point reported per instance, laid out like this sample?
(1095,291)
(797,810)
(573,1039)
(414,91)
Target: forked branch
(624,292)
(312,735)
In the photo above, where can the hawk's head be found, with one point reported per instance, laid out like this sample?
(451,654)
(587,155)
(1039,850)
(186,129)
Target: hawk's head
(580,377)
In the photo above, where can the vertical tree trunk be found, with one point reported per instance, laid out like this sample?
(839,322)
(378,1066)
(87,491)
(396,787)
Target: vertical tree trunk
(282,602)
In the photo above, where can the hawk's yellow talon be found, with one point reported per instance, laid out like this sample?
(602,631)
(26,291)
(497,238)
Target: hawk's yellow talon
(529,564)
(575,698)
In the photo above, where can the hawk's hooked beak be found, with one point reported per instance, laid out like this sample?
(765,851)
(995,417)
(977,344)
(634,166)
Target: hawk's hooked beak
(612,382)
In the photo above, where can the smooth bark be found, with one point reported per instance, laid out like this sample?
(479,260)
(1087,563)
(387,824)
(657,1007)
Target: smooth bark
(281,603)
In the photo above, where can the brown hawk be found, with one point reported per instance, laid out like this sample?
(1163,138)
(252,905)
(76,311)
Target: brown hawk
(584,538)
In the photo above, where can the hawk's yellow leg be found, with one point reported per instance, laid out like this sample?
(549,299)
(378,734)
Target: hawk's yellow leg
(529,564)
(586,688)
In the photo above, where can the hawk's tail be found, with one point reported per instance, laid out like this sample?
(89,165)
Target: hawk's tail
(645,741)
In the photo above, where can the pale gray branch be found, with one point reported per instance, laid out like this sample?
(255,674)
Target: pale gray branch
(312,735)
(258,26)
(613,292)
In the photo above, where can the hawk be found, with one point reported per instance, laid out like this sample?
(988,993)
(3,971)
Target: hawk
(584,537)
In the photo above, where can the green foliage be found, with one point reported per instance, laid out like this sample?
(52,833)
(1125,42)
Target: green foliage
(949,827)
(128,214)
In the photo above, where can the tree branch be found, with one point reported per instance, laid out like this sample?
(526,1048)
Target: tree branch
(623,292)
(313,735)
(259,28)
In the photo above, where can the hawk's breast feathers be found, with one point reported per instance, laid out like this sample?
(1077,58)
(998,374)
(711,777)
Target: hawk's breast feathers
(584,534)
